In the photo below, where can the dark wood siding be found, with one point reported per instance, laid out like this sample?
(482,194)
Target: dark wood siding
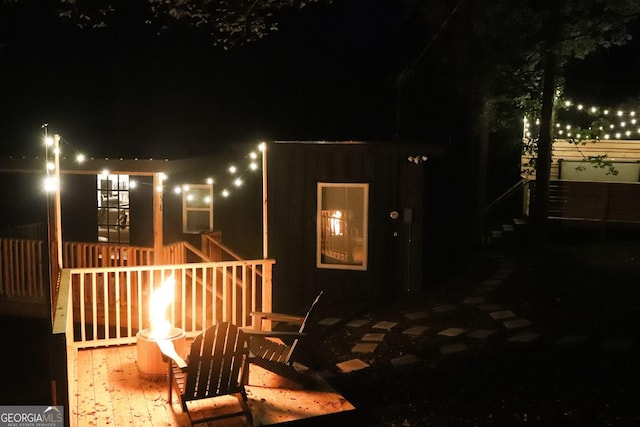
(79,208)
(395,247)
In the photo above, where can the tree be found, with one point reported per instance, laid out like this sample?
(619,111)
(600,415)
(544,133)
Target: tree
(227,22)
(570,30)
(506,57)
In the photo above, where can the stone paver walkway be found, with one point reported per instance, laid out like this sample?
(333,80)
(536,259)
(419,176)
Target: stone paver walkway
(492,324)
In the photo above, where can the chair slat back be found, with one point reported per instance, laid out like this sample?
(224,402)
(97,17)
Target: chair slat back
(215,363)
(306,317)
(303,325)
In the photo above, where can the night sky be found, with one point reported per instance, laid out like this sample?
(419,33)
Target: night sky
(330,73)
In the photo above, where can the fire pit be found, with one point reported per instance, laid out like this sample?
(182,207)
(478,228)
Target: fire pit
(150,363)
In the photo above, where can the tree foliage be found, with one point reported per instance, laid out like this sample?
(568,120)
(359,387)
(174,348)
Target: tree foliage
(227,22)
(509,58)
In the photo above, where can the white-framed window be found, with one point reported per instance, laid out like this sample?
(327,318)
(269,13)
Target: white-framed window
(342,230)
(113,208)
(197,208)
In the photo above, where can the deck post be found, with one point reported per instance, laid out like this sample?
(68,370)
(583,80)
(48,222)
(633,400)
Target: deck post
(158,255)
(265,204)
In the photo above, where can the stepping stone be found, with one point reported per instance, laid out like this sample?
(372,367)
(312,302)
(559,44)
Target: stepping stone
(417,315)
(451,332)
(384,325)
(351,365)
(453,348)
(492,282)
(357,323)
(300,367)
(496,234)
(329,321)
(572,340)
(373,337)
(503,272)
(617,345)
(501,315)
(507,227)
(524,337)
(416,330)
(364,347)
(444,308)
(490,307)
(404,360)
(481,334)
(516,323)
(473,300)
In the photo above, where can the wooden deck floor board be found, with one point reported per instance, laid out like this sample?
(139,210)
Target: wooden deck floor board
(103,408)
(111,392)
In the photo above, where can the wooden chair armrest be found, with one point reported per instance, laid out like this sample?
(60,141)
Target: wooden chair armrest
(168,349)
(279,317)
(273,334)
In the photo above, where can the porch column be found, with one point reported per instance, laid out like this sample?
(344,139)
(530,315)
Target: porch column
(158,253)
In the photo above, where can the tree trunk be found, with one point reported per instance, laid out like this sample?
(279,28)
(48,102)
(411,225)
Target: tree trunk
(540,213)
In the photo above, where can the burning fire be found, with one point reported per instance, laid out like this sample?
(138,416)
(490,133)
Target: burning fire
(159,302)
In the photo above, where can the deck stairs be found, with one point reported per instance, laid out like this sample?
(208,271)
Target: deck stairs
(506,233)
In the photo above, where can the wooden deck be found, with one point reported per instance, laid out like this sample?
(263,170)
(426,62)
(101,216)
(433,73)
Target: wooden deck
(111,392)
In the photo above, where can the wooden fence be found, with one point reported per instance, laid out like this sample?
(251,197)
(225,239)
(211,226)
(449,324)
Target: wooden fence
(596,202)
(615,150)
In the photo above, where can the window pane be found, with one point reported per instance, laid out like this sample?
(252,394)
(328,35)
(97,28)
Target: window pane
(197,208)
(198,198)
(197,221)
(113,208)
(342,226)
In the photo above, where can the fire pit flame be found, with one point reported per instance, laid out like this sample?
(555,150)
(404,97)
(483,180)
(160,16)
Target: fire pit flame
(160,301)
(159,335)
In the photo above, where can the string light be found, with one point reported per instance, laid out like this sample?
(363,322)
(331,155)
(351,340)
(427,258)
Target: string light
(576,121)
(237,178)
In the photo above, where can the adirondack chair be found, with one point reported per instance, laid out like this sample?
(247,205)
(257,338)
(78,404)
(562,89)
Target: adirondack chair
(217,365)
(276,350)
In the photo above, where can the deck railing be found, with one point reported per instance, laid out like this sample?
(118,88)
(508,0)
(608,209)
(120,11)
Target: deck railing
(21,269)
(182,253)
(213,248)
(98,255)
(111,305)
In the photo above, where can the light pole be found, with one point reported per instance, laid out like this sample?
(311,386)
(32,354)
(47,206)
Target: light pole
(52,186)
(265,229)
